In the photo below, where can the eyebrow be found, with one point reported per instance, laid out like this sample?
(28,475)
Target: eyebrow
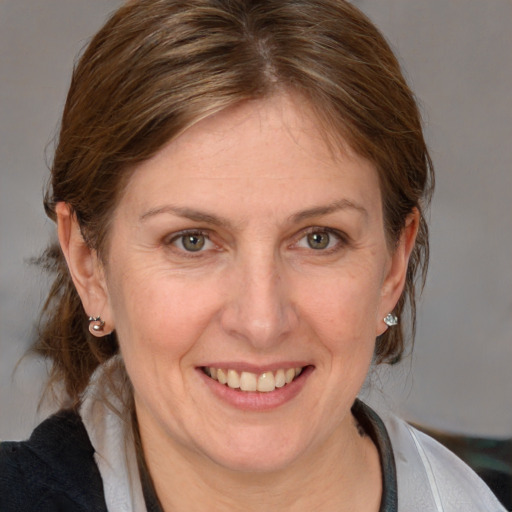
(208,218)
(318,211)
(187,213)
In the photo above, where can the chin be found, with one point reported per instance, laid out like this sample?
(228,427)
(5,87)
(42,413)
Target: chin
(259,451)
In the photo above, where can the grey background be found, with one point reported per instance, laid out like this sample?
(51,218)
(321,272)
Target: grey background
(457,55)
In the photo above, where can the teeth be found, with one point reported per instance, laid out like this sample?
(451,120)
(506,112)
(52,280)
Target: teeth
(248,381)
(221,376)
(233,379)
(266,382)
(289,375)
(280,379)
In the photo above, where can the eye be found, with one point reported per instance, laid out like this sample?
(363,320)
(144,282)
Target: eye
(320,239)
(191,242)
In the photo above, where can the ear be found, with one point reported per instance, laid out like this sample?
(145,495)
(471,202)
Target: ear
(85,268)
(396,273)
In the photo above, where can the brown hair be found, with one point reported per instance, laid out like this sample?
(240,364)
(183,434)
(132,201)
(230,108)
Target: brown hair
(159,66)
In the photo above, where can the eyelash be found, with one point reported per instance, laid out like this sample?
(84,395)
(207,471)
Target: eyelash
(342,240)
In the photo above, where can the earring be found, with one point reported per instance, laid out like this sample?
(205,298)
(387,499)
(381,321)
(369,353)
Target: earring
(391,320)
(96,325)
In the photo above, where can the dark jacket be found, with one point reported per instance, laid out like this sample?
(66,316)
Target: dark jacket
(54,471)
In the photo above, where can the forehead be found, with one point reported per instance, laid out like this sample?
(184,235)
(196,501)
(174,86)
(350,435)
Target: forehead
(270,146)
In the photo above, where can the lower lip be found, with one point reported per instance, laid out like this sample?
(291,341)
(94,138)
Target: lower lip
(254,400)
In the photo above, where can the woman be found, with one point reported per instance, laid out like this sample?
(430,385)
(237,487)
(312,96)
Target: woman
(239,189)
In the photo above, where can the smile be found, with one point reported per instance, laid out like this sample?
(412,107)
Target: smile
(249,382)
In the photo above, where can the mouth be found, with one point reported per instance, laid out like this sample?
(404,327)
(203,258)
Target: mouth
(245,381)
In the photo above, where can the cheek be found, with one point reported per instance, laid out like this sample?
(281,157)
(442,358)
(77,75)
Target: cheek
(160,313)
(160,322)
(341,308)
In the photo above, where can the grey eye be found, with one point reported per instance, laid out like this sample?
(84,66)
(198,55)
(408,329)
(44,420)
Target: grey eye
(193,243)
(318,240)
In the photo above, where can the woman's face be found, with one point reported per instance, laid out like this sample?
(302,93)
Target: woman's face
(246,250)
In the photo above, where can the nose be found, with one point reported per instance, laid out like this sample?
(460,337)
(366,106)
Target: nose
(259,309)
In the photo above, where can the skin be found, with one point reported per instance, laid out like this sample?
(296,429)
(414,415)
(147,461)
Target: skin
(254,181)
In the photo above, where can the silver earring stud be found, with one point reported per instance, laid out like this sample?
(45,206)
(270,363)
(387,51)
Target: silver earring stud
(391,320)
(96,324)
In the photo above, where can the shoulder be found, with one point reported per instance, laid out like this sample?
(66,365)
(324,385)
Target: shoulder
(53,470)
(431,478)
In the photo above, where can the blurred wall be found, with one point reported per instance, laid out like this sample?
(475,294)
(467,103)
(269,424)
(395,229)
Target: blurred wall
(457,56)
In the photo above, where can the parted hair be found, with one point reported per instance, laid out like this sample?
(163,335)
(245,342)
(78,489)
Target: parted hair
(157,67)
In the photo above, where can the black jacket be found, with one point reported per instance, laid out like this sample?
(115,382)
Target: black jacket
(54,471)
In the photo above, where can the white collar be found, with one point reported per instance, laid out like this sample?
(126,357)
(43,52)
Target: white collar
(108,425)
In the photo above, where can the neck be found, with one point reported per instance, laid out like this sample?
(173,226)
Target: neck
(341,475)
